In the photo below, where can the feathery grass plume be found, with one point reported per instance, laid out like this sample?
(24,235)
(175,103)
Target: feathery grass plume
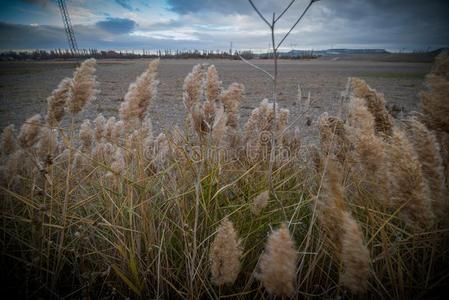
(57,101)
(29,132)
(260,202)
(48,143)
(192,87)
(231,98)
(278,263)
(161,150)
(333,137)
(100,127)
(118,164)
(376,105)
(109,127)
(219,126)
(434,101)
(224,254)
(408,188)
(212,91)
(103,152)
(354,256)
(292,141)
(141,138)
(261,121)
(359,117)
(330,203)
(8,141)
(428,151)
(140,93)
(193,92)
(369,151)
(15,164)
(213,84)
(117,131)
(86,136)
(83,86)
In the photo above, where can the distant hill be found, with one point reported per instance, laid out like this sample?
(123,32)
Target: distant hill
(329,52)
(364,54)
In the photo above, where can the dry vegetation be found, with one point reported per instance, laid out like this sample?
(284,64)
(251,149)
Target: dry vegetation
(109,210)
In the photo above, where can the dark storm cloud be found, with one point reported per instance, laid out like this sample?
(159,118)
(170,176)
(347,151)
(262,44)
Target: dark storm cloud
(15,36)
(411,23)
(117,25)
(212,24)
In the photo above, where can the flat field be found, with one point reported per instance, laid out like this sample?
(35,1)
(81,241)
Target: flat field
(24,86)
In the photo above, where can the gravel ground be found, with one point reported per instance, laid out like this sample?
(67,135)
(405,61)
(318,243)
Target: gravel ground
(24,86)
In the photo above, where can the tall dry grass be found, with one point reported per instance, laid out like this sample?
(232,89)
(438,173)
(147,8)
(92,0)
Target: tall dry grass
(108,210)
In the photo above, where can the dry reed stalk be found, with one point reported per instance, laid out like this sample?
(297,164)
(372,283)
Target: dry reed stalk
(428,151)
(83,88)
(100,127)
(278,263)
(224,254)
(140,94)
(29,132)
(57,101)
(376,105)
(408,188)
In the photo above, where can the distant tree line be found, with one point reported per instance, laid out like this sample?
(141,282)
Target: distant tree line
(134,54)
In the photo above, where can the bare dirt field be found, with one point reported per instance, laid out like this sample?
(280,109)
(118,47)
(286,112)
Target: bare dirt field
(24,86)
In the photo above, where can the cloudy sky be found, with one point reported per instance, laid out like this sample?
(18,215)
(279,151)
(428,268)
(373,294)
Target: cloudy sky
(213,24)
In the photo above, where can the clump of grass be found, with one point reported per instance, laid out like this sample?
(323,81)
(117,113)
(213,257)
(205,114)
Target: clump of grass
(108,209)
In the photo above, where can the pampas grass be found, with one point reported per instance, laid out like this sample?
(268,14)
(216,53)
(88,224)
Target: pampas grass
(83,87)
(57,101)
(278,263)
(260,202)
(8,141)
(355,256)
(29,132)
(106,209)
(376,105)
(434,100)
(139,95)
(428,152)
(225,253)
(408,188)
